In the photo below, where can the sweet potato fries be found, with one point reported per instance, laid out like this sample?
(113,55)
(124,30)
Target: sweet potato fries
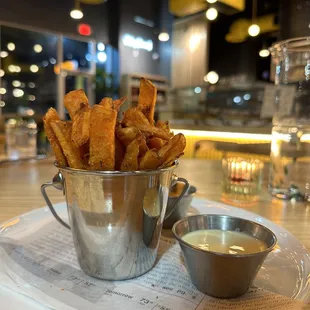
(95,139)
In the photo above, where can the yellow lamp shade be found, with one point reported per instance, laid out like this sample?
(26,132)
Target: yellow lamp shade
(95,2)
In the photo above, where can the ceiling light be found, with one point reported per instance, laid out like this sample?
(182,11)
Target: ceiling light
(31,85)
(102,56)
(264,52)
(211,14)
(16,83)
(254,30)
(100,47)
(31,97)
(2,104)
(44,63)
(11,68)
(11,46)
(30,112)
(34,68)
(212,77)
(37,48)
(2,73)
(4,54)
(197,90)
(76,13)
(237,99)
(2,90)
(17,92)
(163,37)
(52,61)
(211,1)
(247,97)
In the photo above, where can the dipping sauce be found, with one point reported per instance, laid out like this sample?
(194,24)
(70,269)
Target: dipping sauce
(224,241)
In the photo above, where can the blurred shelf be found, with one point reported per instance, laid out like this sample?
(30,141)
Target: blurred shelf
(130,85)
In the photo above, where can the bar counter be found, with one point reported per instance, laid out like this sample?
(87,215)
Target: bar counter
(20,192)
(223,139)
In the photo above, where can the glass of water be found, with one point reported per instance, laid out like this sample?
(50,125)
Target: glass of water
(21,138)
(290,146)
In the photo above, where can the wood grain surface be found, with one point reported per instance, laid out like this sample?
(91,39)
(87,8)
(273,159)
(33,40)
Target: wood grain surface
(20,192)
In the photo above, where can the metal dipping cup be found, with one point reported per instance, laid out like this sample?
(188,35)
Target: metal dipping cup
(222,275)
(115,217)
(181,210)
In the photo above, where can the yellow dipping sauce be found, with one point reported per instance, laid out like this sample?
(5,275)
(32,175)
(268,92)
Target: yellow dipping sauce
(224,241)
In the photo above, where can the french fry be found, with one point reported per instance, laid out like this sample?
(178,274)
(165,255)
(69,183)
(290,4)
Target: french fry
(119,153)
(130,162)
(127,134)
(135,118)
(118,103)
(172,150)
(102,138)
(156,143)
(143,148)
(52,115)
(74,101)
(80,126)
(107,102)
(165,126)
(63,131)
(84,152)
(96,140)
(150,160)
(147,99)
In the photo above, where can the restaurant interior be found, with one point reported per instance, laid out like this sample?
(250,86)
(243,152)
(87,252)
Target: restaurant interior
(194,117)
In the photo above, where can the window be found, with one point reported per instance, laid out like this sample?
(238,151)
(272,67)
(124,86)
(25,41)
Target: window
(28,81)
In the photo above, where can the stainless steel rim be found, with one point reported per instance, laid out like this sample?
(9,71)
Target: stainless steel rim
(117,173)
(269,249)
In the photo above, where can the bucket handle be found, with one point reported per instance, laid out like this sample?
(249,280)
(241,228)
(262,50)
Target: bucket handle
(58,183)
(176,179)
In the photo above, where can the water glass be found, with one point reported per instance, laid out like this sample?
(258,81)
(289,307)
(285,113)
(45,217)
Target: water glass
(290,148)
(20,138)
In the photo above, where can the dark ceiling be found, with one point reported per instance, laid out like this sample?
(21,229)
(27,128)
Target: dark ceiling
(54,16)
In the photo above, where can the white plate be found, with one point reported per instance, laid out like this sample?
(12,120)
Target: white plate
(285,271)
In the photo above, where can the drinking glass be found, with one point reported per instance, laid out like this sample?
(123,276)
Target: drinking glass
(242,179)
(20,138)
(290,148)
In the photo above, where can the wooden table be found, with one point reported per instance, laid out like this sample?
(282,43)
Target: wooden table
(20,193)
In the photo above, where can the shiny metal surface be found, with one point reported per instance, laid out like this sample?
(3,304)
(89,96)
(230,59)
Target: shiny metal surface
(58,183)
(116,218)
(222,275)
(180,211)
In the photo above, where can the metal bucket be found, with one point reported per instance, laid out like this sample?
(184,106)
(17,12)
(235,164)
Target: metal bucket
(116,217)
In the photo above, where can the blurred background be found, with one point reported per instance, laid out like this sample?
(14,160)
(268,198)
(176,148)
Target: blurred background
(209,60)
